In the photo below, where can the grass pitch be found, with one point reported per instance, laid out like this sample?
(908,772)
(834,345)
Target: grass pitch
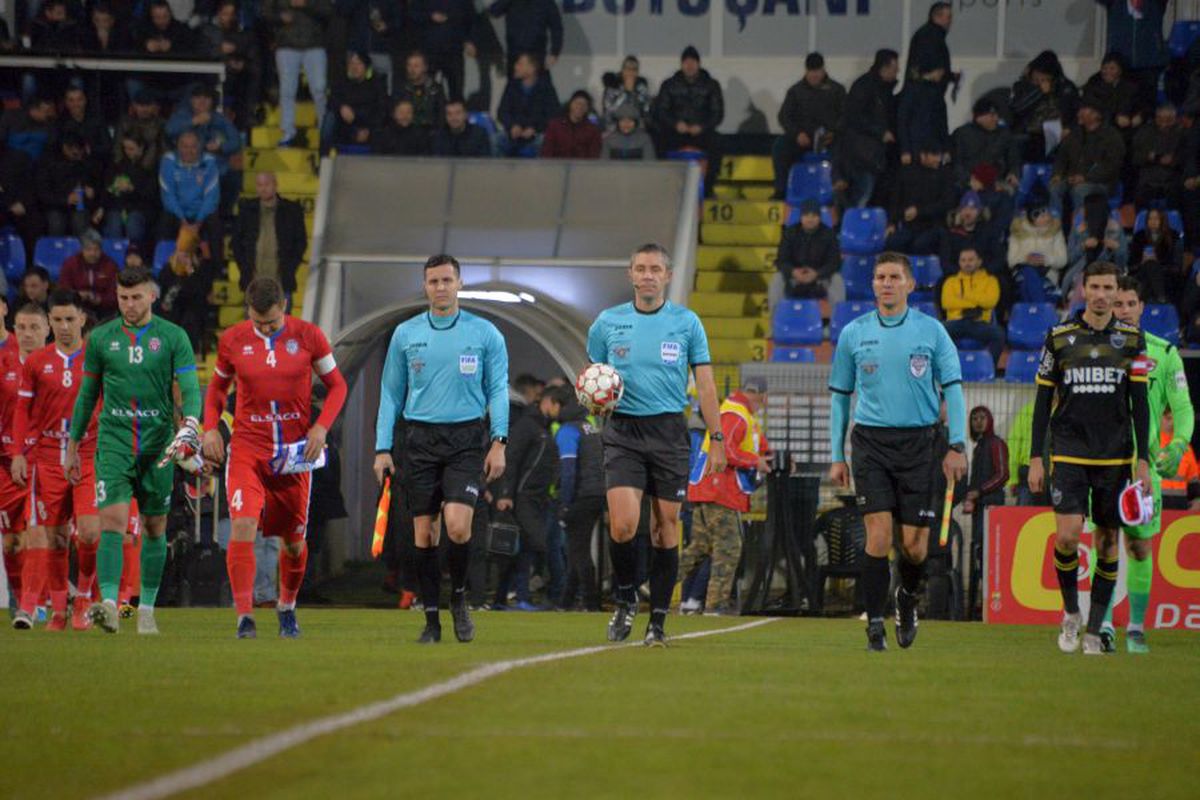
(792,709)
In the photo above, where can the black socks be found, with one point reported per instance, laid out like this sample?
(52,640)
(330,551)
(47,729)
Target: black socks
(429,576)
(664,570)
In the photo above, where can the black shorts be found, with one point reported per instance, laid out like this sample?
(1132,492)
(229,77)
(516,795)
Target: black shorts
(443,464)
(1072,486)
(893,471)
(648,453)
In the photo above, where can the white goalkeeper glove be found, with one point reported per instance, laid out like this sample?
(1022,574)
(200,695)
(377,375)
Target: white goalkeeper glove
(184,449)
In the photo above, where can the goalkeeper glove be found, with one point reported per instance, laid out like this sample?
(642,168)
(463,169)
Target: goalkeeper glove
(1167,463)
(184,449)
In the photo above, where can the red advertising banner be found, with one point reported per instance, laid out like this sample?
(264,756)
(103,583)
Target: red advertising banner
(1022,588)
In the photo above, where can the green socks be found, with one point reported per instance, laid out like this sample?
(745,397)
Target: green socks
(154,558)
(108,564)
(1138,578)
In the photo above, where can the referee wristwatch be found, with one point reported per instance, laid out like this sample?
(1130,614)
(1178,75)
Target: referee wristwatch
(717,437)
(499,440)
(959,448)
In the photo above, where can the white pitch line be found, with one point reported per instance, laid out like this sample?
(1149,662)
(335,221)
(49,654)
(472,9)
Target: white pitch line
(259,750)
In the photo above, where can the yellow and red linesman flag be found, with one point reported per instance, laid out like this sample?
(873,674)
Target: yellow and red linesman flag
(947,507)
(381,516)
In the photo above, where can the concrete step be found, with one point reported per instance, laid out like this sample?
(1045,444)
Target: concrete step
(728,304)
(743,191)
(287,159)
(732,281)
(263,137)
(737,350)
(306,115)
(724,258)
(745,212)
(748,235)
(747,168)
(735,327)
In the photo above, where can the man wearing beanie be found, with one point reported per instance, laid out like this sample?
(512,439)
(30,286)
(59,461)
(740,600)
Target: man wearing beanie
(810,113)
(688,109)
(983,141)
(809,256)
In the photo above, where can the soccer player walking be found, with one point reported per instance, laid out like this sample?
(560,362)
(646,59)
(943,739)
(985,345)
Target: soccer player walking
(445,369)
(1167,387)
(653,344)
(1092,396)
(273,449)
(134,359)
(50,381)
(901,363)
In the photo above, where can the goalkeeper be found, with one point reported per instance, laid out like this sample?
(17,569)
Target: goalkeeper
(133,360)
(1168,388)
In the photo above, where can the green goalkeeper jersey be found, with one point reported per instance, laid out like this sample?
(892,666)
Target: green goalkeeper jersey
(135,369)
(1168,389)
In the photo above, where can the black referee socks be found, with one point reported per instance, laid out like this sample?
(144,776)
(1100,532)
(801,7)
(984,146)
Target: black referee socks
(910,575)
(624,567)
(1103,582)
(1065,566)
(876,575)
(459,558)
(664,570)
(429,578)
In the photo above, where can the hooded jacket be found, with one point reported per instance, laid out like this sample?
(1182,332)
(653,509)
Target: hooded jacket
(989,463)
(696,102)
(567,139)
(616,96)
(581,456)
(532,458)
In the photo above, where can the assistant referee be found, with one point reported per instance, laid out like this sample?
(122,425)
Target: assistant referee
(445,369)
(901,363)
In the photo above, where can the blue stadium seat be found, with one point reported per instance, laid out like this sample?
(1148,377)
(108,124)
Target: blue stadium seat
(1114,199)
(1174,221)
(927,272)
(845,313)
(926,307)
(116,249)
(483,120)
(51,251)
(863,231)
(12,254)
(810,180)
(977,366)
(793,216)
(857,274)
(1022,366)
(162,254)
(797,322)
(1028,323)
(793,355)
(1031,176)
(1162,321)
(1183,33)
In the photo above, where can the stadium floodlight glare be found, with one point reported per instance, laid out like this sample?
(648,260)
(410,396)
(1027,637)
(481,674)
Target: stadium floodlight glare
(494,296)
(527,297)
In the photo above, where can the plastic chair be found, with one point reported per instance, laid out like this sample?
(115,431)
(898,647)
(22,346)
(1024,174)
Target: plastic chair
(927,272)
(810,180)
(116,249)
(162,254)
(926,307)
(1028,323)
(1031,176)
(977,366)
(845,313)
(797,322)
(12,254)
(857,274)
(1022,366)
(1163,321)
(793,355)
(1183,33)
(51,251)
(863,231)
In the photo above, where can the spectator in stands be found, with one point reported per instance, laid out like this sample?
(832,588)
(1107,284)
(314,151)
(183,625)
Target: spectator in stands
(628,141)
(969,300)
(400,135)
(923,197)
(102,35)
(358,104)
(808,257)
(985,141)
(130,193)
(1089,160)
(34,288)
(625,88)
(18,203)
(426,94)
(985,487)
(967,228)
(1037,253)
(927,50)
(269,239)
(144,122)
(1158,156)
(218,137)
(689,108)
(186,283)
(530,26)
(1114,96)
(1189,307)
(92,274)
(1043,99)
(53,30)
(446,29)
(189,184)
(460,138)
(68,188)
(78,118)
(996,196)
(1155,258)
(868,127)
(573,134)
(29,129)
(374,28)
(238,47)
(1095,236)
(299,29)
(164,36)
(528,105)
(1134,29)
(921,118)
(809,116)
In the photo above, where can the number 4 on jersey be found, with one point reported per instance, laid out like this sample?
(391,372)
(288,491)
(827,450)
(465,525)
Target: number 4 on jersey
(235,501)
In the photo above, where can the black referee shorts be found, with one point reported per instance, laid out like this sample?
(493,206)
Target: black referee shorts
(1072,486)
(893,471)
(648,453)
(443,463)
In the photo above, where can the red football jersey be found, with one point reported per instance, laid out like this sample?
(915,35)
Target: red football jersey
(274,381)
(10,384)
(51,381)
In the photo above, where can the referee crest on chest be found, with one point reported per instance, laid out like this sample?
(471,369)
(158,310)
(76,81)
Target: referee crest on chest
(918,364)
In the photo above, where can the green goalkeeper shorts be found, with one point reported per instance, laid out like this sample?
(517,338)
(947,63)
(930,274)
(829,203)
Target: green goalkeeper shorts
(1151,528)
(122,477)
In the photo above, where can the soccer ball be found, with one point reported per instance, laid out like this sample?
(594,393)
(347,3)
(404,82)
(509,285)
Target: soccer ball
(599,388)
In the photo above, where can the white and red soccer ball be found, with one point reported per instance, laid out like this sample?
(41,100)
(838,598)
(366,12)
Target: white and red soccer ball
(599,388)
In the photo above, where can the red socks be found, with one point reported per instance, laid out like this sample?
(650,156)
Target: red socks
(291,575)
(131,569)
(13,565)
(239,560)
(85,556)
(33,577)
(57,566)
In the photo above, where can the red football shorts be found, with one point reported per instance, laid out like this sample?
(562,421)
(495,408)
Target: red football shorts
(54,500)
(278,502)
(12,503)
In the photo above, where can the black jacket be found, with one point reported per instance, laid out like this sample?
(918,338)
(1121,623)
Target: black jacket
(529,109)
(183,42)
(532,457)
(972,145)
(921,119)
(446,37)
(799,248)
(120,41)
(583,474)
(989,464)
(94,131)
(696,102)
(471,142)
(391,140)
(870,112)
(289,233)
(806,108)
(930,190)
(366,97)
(1096,155)
(429,102)
(56,177)
(927,50)
(1150,144)
(16,180)
(143,197)
(1111,99)
(529,25)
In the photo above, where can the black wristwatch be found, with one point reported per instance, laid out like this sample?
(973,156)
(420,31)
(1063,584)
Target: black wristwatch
(958,447)
(717,437)
(500,439)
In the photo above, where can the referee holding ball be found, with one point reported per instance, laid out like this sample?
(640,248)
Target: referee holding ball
(900,363)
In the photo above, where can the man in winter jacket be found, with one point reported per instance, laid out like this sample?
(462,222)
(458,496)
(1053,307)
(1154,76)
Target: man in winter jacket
(528,105)
(269,237)
(809,116)
(459,138)
(808,255)
(1089,160)
(985,487)
(581,500)
(984,141)
(868,128)
(189,184)
(572,134)
(687,111)
(530,26)
(969,300)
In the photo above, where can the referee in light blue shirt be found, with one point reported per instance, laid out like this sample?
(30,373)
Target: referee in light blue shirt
(445,369)
(900,363)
